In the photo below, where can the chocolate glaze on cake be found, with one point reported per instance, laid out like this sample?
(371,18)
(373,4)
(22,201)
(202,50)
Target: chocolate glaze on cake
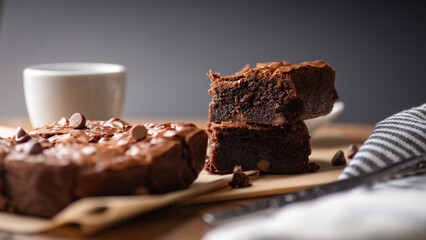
(270,149)
(102,158)
(274,93)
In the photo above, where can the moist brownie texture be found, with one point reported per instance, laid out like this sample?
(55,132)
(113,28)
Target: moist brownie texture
(274,93)
(67,160)
(282,149)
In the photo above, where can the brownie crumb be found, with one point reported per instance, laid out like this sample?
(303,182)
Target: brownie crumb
(338,159)
(239,179)
(313,167)
(352,150)
(213,75)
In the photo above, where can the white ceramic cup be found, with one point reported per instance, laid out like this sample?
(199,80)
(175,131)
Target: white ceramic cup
(57,90)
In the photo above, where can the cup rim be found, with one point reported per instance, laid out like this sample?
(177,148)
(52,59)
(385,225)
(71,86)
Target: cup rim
(73,68)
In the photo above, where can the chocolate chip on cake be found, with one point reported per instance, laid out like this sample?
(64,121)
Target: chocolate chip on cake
(77,121)
(338,159)
(21,135)
(239,178)
(33,147)
(138,132)
(352,150)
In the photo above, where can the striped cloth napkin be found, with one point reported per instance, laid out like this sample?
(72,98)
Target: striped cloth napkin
(398,137)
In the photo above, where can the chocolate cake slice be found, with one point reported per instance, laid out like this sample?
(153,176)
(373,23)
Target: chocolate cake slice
(43,171)
(275,93)
(270,149)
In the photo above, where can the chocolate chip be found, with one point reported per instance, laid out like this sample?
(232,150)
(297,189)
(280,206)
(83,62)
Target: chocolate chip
(138,132)
(239,178)
(33,147)
(313,167)
(21,135)
(352,150)
(263,165)
(338,159)
(77,121)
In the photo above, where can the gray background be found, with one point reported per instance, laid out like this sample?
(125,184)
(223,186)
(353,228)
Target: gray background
(376,47)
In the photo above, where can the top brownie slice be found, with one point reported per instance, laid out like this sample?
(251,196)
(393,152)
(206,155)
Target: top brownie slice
(277,93)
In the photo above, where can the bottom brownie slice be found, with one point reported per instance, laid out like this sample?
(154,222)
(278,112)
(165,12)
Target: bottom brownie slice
(282,149)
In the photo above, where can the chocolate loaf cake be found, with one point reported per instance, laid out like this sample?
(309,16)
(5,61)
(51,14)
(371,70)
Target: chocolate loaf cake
(43,171)
(275,93)
(283,149)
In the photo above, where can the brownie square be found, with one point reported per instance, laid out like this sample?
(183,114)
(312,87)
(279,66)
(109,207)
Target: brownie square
(43,171)
(270,149)
(275,93)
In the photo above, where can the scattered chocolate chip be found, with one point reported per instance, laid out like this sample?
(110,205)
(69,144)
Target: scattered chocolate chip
(338,159)
(77,121)
(313,167)
(33,147)
(21,135)
(263,165)
(239,178)
(352,150)
(138,132)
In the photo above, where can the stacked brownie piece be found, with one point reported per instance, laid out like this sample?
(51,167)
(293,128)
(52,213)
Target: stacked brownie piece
(256,116)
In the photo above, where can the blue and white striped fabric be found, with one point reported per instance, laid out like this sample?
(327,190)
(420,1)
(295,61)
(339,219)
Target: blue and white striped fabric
(398,137)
